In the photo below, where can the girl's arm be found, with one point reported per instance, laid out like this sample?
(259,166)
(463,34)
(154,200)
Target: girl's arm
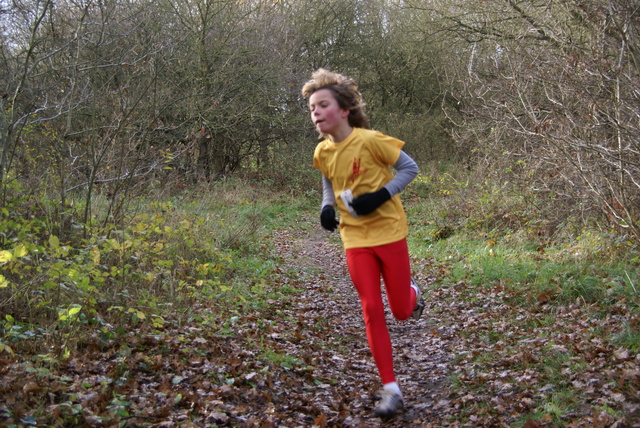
(369,202)
(407,170)
(328,195)
(328,213)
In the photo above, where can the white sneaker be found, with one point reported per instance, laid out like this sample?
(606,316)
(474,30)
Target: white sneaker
(417,311)
(389,405)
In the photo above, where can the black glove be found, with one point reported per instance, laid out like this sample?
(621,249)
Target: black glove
(369,202)
(328,218)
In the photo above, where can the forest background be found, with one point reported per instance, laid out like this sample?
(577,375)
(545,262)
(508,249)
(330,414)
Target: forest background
(141,141)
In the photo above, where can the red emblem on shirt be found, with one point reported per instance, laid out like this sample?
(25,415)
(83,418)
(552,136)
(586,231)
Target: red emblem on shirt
(356,169)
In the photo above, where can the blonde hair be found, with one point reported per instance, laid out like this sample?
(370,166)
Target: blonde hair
(344,90)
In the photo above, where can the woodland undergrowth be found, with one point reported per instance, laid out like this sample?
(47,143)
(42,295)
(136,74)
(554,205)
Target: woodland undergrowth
(549,310)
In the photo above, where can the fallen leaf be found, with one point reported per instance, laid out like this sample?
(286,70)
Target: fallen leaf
(30,386)
(321,420)
(621,354)
(543,298)
(530,423)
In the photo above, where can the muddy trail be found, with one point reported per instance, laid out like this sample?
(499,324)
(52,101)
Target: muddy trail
(331,323)
(497,350)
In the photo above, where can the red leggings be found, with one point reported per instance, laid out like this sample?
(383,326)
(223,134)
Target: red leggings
(365,266)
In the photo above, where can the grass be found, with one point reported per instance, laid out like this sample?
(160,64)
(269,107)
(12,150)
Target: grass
(628,337)
(206,245)
(566,300)
(554,273)
(281,359)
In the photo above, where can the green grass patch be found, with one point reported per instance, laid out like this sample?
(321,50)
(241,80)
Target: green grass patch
(551,273)
(207,245)
(281,358)
(548,311)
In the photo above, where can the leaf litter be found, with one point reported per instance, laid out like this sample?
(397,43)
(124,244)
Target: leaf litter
(473,360)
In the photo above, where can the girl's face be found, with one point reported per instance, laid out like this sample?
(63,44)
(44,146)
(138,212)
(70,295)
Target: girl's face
(327,116)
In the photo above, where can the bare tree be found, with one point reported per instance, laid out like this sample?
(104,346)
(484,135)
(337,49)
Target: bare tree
(20,59)
(548,90)
(110,98)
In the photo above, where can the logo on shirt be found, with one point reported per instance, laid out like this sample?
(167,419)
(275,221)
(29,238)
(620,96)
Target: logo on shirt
(356,169)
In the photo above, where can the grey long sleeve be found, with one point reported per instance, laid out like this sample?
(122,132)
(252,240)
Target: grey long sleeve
(328,196)
(407,170)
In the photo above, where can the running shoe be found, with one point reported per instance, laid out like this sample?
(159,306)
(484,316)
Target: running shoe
(389,405)
(417,311)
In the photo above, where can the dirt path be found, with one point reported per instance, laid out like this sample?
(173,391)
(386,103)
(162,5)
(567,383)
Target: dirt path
(421,349)
(499,352)
(297,359)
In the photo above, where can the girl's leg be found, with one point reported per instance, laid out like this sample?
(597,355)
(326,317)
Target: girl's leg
(364,268)
(396,272)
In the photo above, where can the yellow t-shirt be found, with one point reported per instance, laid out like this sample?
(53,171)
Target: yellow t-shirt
(362,163)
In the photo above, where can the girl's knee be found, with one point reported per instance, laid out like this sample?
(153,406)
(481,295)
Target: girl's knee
(372,309)
(401,314)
